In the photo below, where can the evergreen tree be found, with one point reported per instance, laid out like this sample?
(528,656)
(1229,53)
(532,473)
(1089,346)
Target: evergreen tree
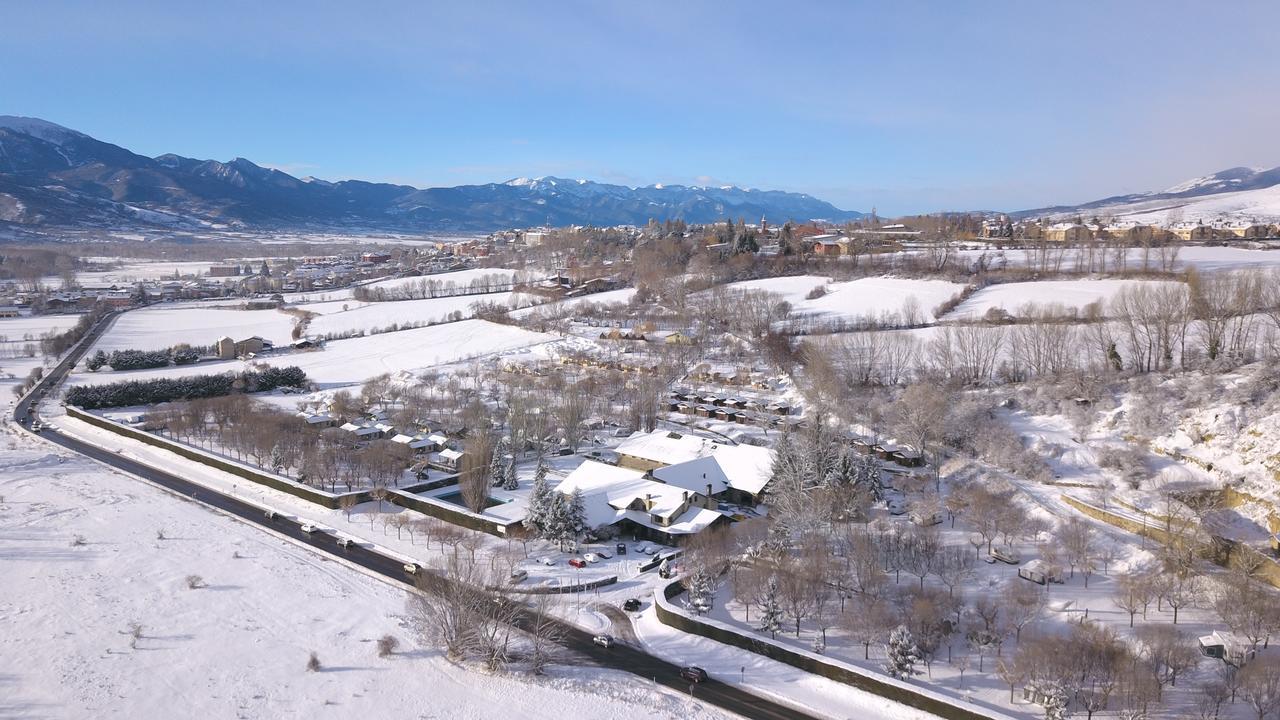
(540,500)
(277,459)
(576,513)
(96,361)
(498,463)
(556,522)
(866,471)
(266,271)
(770,617)
(510,482)
(700,585)
(901,654)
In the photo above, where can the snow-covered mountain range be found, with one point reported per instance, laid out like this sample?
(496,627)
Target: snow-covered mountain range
(1235,195)
(51,175)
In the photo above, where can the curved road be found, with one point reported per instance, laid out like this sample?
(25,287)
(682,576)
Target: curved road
(619,657)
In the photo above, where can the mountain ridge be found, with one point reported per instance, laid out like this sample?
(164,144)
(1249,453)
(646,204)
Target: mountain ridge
(51,175)
(1236,193)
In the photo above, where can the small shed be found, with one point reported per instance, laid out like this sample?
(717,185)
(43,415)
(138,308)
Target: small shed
(1038,571)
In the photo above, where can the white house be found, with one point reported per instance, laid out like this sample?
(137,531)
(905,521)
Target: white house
(626,498)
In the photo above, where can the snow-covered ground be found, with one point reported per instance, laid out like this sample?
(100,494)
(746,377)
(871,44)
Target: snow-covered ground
(354,360)
(461,279)
(1065,293)
(32,327)
(238,646)
(1201,257)
(857,299)
(610,297)
(162,326)
(342,316)
(875,296)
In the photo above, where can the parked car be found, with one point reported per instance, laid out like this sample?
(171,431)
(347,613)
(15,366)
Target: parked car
(548,560)
(591,557)
(604,641)
(693,674)
(344,542)
(603,554)
(577,562)
(36,427)
(631,605)
(1004,554)
(896,508)
(621,548)
(307,528)
(411,568)
(551,582)
(519,574)
(270,514)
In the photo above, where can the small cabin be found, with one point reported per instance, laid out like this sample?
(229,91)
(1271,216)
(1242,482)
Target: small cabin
(1040,572)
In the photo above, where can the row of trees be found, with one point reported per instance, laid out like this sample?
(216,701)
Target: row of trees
(159,390)
(429,287)
(282,443)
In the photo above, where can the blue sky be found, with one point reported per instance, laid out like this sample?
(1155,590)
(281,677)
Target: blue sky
(906,106)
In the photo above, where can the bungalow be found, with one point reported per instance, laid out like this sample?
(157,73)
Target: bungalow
(317,420)
(418,442)
(447,459)
(364,431)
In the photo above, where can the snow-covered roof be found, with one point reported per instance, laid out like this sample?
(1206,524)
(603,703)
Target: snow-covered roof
(692,462)
(664,447)
(450,454)
(415,442)
(608,491)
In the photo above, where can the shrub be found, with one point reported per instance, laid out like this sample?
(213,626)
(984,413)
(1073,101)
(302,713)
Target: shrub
(387,645)
(313,662)
(194,582)
(138,359)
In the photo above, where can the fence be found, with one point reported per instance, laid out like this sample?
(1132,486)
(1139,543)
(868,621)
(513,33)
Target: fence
(898,691)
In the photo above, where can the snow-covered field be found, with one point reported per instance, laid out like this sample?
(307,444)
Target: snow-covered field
(367,316)
(1066,293)
(352,361)
(1191,256)
(459,278)
(162,326)
(874,296)
(33,327)
(862,298)
(135,270)
(236,648)
(611,297)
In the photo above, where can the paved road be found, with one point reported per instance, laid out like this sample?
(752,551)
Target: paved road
(619,657)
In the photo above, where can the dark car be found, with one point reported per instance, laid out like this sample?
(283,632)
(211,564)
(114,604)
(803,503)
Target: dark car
(631,605)
(693,674)
(621,548)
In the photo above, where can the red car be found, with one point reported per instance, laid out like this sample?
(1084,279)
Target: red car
(577,562)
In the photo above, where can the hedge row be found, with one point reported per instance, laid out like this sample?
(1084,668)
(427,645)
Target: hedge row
(158,390)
